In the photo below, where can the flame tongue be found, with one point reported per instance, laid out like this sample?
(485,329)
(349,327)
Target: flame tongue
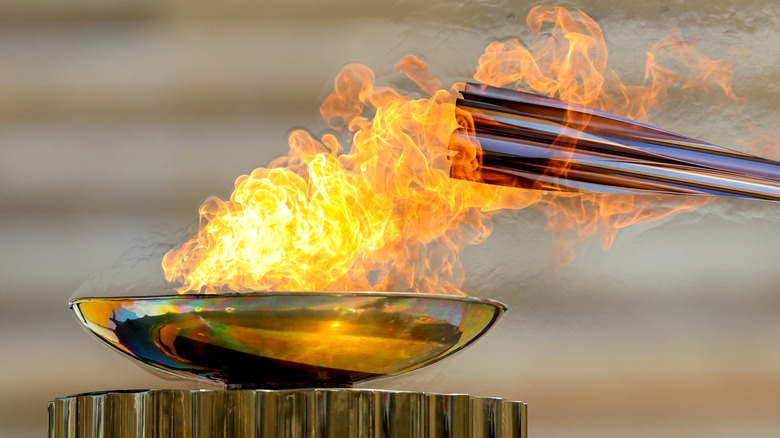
(381,212)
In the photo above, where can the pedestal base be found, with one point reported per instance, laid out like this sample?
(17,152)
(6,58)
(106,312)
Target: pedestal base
(306,413)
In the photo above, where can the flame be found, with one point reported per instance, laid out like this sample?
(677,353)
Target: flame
(761,143)
(569,61)
(377,210)
(384,215)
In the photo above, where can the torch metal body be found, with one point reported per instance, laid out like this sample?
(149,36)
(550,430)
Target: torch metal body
(304,413)
(536,142)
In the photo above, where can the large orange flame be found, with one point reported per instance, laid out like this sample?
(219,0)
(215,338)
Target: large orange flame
(384,215)
(381,212)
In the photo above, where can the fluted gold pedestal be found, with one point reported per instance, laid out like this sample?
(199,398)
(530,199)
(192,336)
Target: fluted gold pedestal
(300,413)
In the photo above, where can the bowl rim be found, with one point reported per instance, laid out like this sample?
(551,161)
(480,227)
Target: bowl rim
(261,294)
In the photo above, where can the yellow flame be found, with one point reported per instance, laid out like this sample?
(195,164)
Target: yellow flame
(384,215)
(381,212)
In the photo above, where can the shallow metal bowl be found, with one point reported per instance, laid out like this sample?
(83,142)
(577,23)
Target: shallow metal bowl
(288,339)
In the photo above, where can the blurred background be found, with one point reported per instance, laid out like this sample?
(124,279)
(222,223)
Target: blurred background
(118,118)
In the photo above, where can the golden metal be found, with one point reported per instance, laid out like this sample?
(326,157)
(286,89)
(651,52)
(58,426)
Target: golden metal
(298,413)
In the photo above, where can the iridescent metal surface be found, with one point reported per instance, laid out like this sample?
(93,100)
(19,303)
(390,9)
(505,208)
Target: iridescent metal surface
(293,339)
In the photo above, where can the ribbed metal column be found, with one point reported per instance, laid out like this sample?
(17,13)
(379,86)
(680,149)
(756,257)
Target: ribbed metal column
(310,413)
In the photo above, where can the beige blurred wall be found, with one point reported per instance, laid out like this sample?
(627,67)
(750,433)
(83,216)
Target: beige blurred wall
(118,119)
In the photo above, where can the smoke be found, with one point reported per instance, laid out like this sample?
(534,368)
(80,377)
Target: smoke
(137,271)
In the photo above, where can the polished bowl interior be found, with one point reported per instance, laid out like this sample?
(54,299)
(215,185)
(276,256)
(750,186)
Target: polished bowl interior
(295,339)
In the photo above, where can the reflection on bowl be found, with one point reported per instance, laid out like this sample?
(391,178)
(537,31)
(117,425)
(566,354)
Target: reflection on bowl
(288,339)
